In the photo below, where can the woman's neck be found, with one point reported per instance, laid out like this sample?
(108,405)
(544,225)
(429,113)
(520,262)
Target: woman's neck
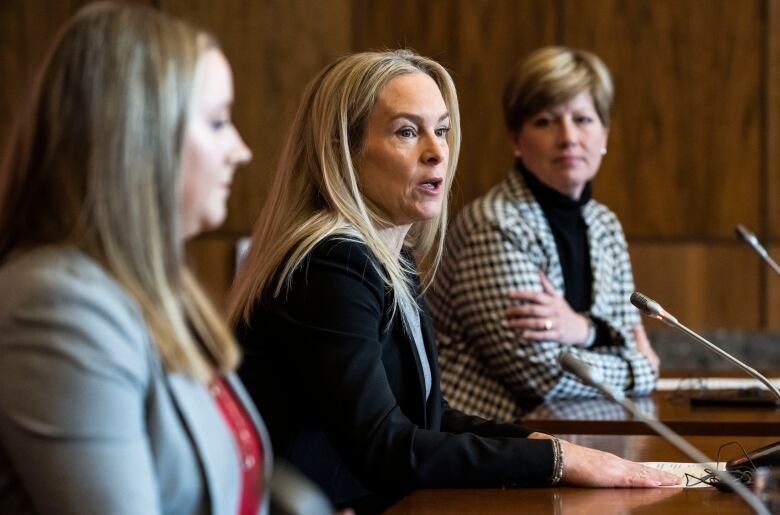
(394,237)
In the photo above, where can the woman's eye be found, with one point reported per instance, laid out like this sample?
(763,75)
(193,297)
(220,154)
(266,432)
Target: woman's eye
(442,131)
(583,119)
(406,132)
(542,122)
(220,123)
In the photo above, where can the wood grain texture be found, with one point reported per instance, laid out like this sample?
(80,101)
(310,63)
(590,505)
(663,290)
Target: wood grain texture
(427,27)
(275,49)
(212,258)
(494,35)
(694,142)
(771,282)
(685,150)
(771,193)
(704,285)
(27,30)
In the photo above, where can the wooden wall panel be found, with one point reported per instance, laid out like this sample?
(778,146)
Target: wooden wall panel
(494,35)
(771,282)
(685,151)
(694,144)
(704,285)
(213,259)
(426,27)
(27,29)
(771,193)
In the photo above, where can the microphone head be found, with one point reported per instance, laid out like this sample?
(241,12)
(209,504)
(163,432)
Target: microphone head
(745,235)
(646,305)
(574,365)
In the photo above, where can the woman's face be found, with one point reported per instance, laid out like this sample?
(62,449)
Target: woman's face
(563,146)
(212,147)
(403,164)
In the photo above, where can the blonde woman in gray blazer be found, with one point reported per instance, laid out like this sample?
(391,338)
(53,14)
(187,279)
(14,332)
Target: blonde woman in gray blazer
(90,419)
(117,392)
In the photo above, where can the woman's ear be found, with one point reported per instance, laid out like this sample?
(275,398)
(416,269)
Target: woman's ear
(514,140)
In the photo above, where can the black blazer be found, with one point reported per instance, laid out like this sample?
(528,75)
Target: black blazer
(340,387)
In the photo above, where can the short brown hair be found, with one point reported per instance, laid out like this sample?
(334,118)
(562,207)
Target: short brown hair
(552,75)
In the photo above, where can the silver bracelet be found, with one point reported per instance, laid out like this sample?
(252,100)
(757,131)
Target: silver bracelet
(557,474)
(591,338)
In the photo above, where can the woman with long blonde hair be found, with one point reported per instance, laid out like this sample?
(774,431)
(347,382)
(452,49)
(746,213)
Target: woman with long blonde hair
(117,392)
(339,349)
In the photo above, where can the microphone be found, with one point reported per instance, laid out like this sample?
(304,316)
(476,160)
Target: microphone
(652,309)
(574,365)
(748,237)
(294,494)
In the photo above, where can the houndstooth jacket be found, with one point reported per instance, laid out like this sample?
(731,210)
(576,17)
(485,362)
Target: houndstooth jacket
(499,244)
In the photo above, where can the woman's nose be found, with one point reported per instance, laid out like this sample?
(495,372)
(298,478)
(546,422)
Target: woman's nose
(240,155)
(567,132)
(435,151)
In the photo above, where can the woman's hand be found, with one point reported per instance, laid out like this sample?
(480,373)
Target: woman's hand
(547,316)
(589,467)
(643,346)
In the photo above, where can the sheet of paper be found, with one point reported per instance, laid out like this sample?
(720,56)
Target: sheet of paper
(680,469)
(711,383)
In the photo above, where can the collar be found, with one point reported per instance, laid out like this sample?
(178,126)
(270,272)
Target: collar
(549,198)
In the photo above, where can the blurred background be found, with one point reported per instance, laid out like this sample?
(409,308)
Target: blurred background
(695,139)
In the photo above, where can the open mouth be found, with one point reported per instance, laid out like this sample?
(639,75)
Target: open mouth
(431,184)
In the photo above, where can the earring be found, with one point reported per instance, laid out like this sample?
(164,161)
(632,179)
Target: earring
(517,153)
(603,151)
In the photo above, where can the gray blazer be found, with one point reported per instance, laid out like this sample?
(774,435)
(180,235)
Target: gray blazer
(90,422)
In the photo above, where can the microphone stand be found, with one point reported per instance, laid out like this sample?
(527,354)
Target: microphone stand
(750,238)
(720,352)
(579,368)
(652,309)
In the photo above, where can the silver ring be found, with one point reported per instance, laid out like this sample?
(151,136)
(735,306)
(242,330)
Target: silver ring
(547,324)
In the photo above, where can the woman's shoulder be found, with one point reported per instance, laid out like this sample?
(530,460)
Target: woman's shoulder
(342,251)
(342,246)
(62,283)
(53,269)
(598,213)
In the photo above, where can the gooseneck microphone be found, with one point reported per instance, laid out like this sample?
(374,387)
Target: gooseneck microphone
(652,309)
(294,494)
(574,365)
(748,237)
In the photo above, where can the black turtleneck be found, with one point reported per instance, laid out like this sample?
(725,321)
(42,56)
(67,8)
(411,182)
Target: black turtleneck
(564,215)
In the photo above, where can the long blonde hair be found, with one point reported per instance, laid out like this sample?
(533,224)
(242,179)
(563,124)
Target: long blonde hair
(94,163)
(315,191)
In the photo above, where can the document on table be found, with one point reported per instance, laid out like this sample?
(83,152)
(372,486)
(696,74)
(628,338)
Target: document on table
(680,469)
(711,383)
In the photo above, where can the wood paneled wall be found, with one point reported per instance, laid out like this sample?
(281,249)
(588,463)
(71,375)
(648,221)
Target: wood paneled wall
(694,143)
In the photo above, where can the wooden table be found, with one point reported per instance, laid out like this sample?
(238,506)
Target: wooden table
(590,501)
(600,416)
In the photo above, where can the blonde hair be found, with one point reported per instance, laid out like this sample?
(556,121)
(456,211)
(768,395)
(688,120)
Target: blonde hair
(315,192)
(95,161)
(552,75)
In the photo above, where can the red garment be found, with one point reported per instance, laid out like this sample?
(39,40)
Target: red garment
(248,442)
